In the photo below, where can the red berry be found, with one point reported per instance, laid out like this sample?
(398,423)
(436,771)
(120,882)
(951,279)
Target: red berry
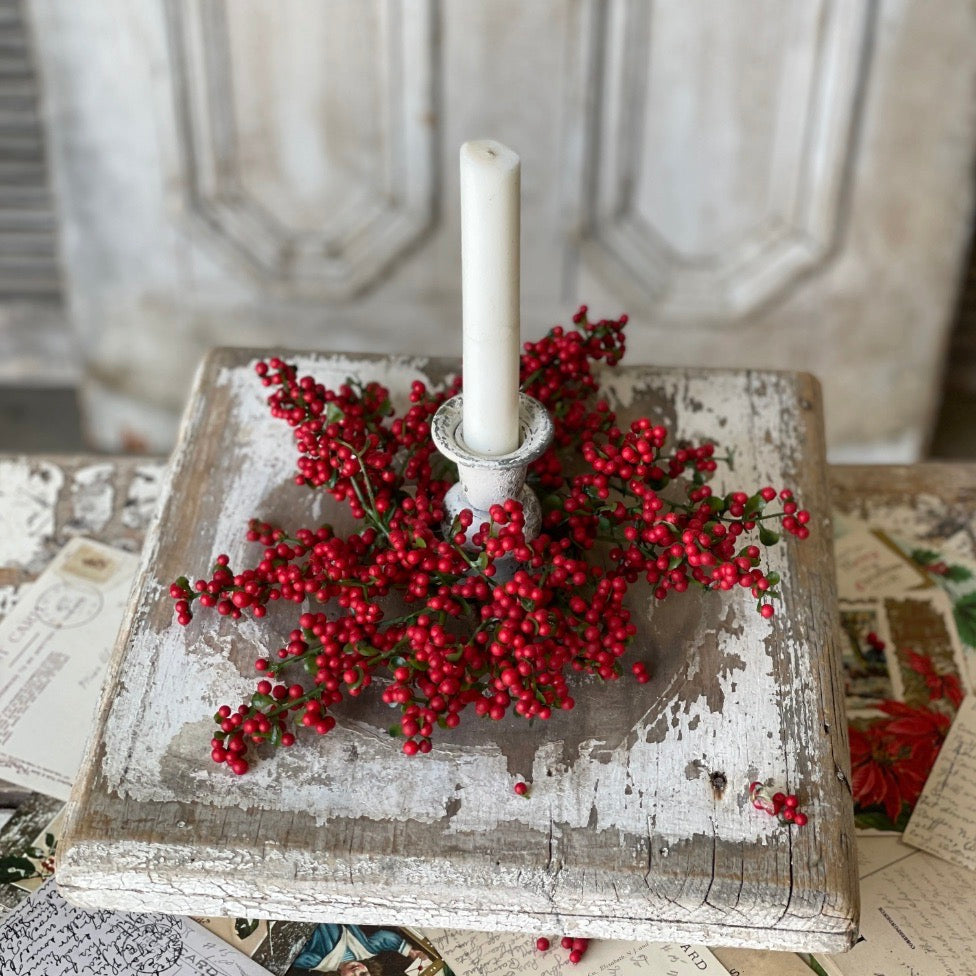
(800,819)
(542,943)
(521,789)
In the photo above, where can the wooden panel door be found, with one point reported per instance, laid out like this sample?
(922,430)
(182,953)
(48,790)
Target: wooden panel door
(757,182)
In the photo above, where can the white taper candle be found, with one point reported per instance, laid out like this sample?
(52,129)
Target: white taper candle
(490,207)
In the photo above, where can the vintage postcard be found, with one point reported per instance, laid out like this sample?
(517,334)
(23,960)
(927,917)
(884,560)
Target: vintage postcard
(761,962)
(869,564)
(28,843)
(923,624)
(272,944)
(368,950)
(44,934)
(895,738)
(916,920)
(956,576)
(871,673)
(491,953)
(54,648)
(944,820)
(884,642)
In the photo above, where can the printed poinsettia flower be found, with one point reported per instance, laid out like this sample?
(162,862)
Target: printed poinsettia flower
(939,685)
(915,722)
(891,760)
(873,778)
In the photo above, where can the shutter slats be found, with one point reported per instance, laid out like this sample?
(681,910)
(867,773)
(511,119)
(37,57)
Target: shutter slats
(29,264)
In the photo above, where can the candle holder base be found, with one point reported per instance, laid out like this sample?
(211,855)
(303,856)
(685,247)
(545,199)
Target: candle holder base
(456,501)
(486,481)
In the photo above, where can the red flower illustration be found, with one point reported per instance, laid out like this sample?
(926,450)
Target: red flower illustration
(873,781)
(939,685)
(891,759)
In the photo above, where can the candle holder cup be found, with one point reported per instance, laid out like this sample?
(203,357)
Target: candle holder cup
(486,481)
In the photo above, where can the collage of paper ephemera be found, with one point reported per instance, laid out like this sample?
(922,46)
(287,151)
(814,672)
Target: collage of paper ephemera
(908,631)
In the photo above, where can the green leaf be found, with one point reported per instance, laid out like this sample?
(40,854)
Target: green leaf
(245,927)
(924,557)
(17,869)
(964,610)
(815,966)
(957,574)
(767,536)
(716,504)
(51,841)
(873,821)
(876,819)
(333,413)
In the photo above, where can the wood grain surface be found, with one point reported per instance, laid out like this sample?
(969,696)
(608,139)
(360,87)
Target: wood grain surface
(638,823)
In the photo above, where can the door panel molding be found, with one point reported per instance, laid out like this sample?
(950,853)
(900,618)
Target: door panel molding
(686,256)
(352,246)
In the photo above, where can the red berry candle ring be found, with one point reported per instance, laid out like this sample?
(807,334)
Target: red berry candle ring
(486,481)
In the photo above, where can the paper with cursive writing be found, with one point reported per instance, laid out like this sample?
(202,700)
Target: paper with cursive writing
(45,934)
(944,819)
(54,648)
(916,920)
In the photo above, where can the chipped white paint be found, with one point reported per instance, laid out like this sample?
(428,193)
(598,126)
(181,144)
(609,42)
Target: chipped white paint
(303,779)
(27,496)
(93,496)
(191,675)
(140,499)
(267,443)
(614,784)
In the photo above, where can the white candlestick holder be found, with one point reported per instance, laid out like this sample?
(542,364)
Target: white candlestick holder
(486,481)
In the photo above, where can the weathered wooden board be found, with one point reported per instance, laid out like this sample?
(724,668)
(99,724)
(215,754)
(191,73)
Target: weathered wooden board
(625,834)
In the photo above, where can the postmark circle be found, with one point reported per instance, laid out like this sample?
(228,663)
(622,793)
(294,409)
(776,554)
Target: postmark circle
(65,605)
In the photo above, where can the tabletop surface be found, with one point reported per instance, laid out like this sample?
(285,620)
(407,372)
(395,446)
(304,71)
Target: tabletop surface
(628,831)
